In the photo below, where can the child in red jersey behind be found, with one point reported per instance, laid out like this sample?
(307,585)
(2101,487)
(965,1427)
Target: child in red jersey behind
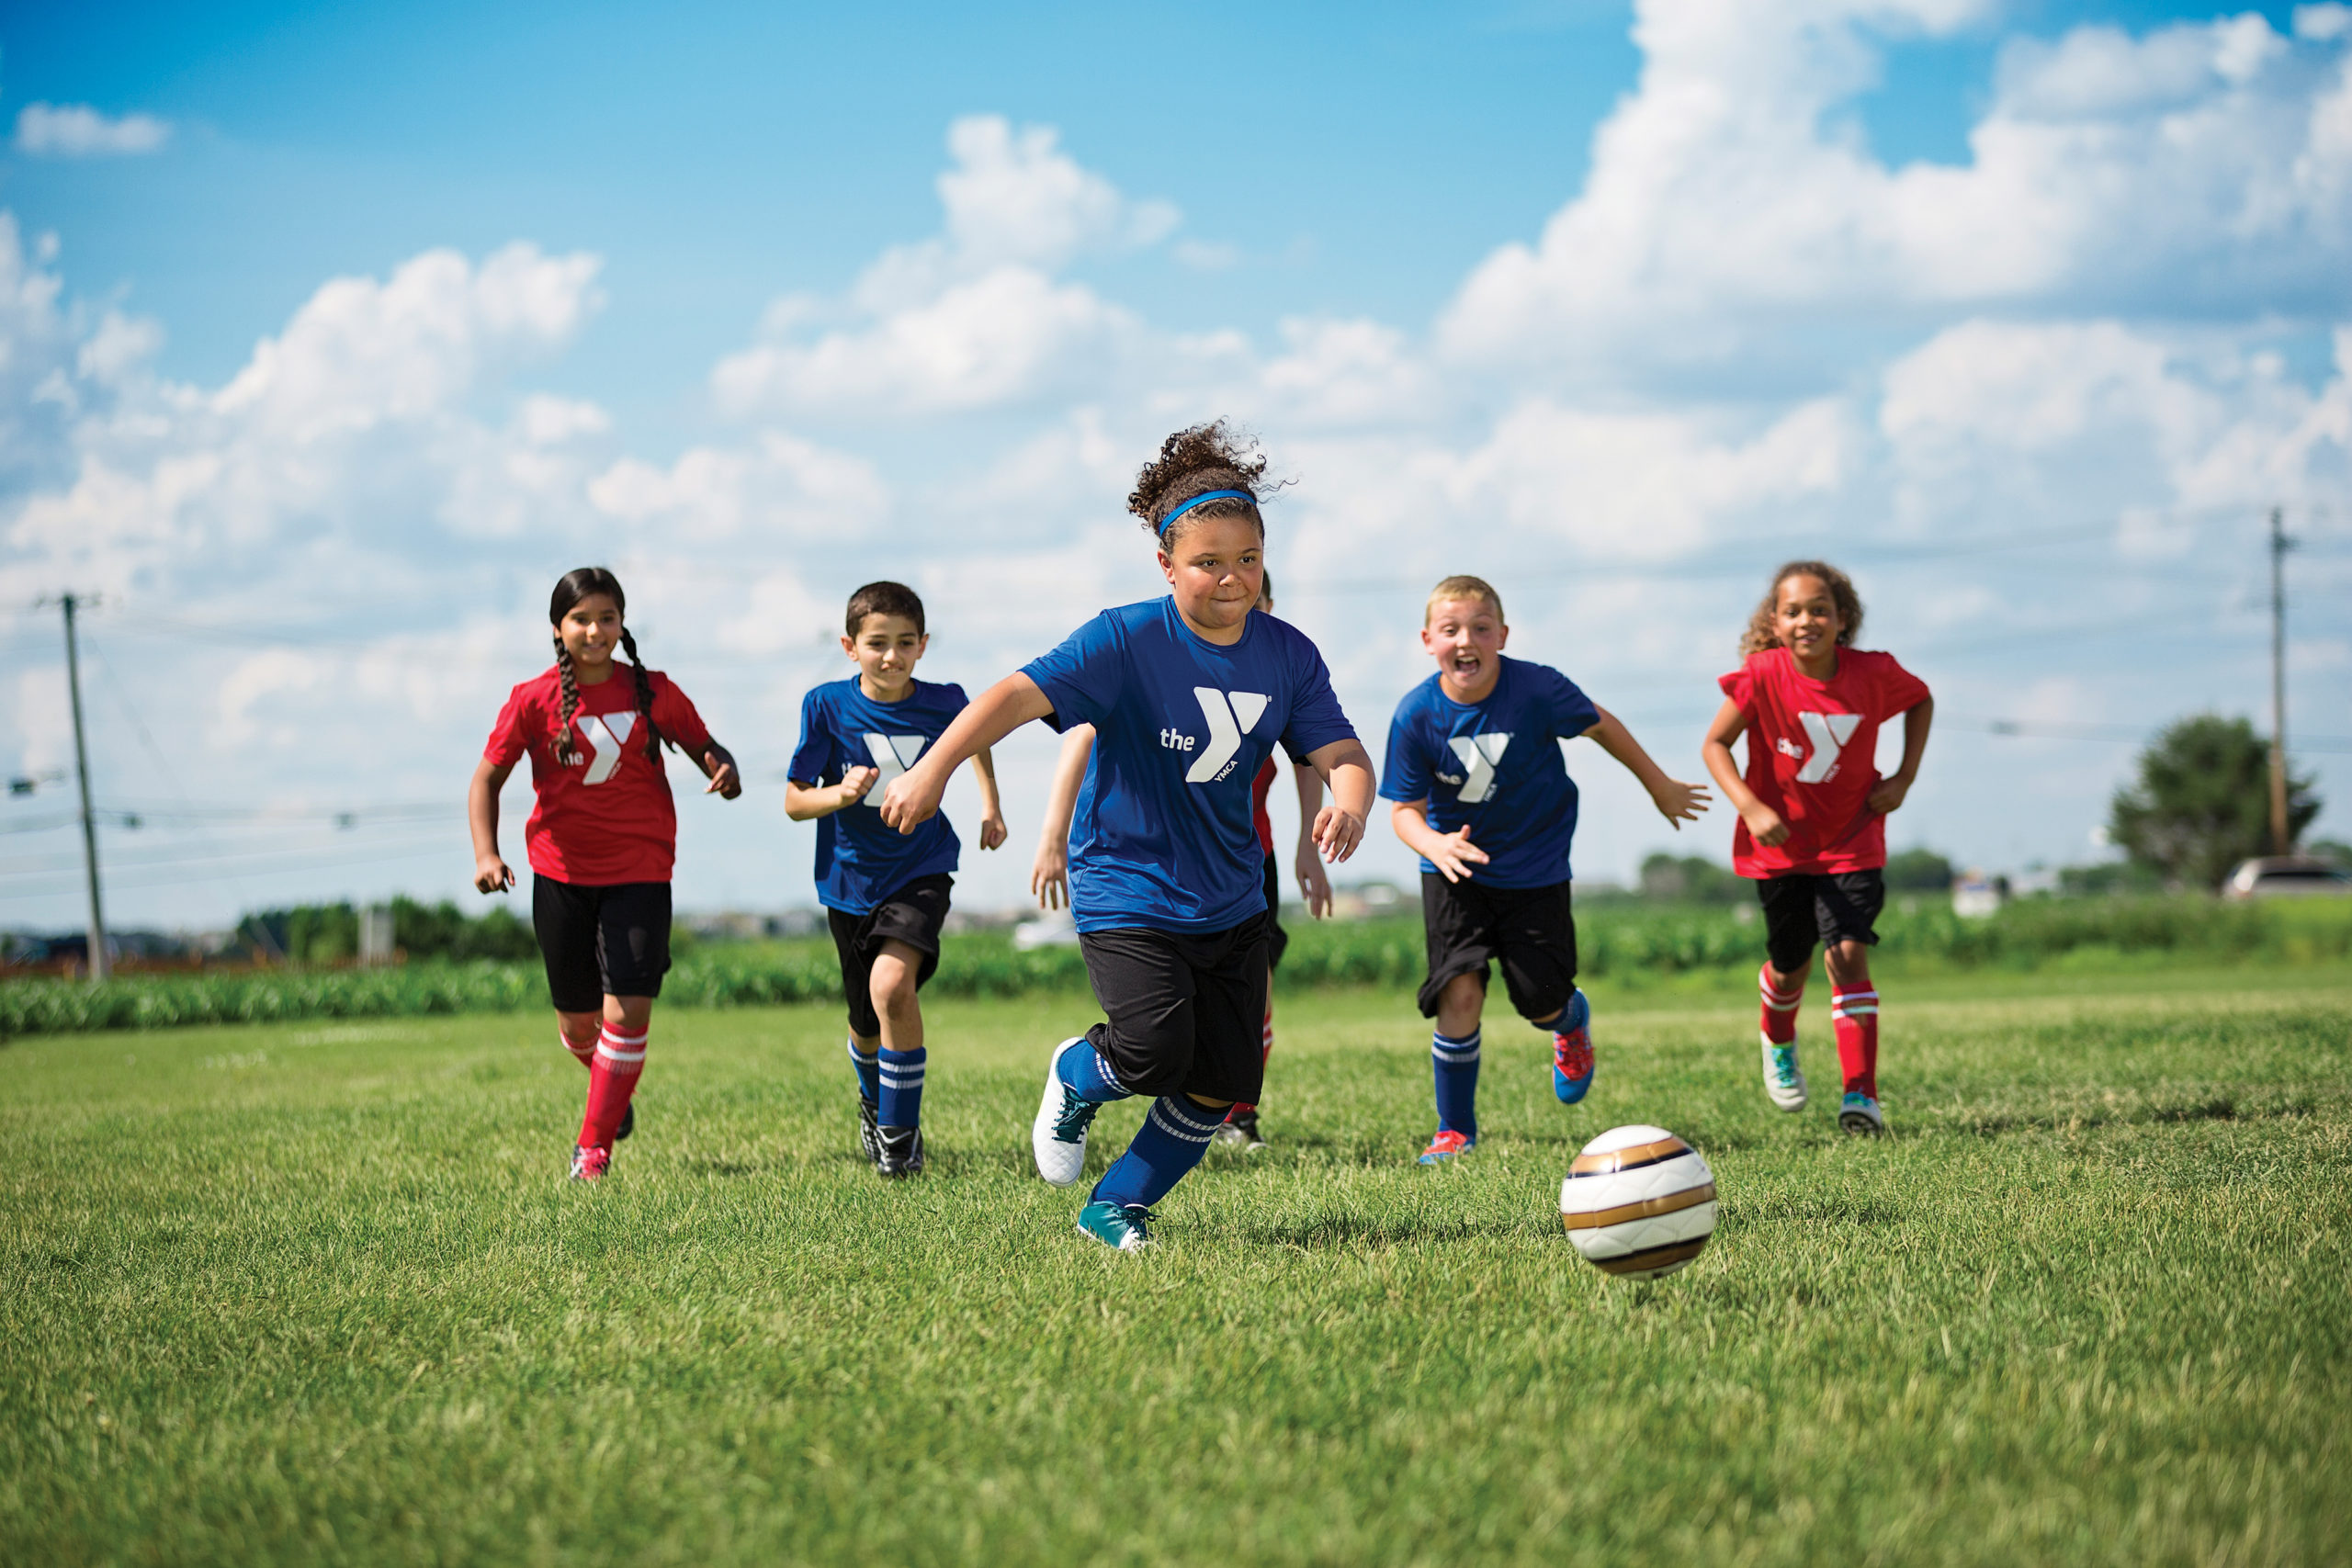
(602,837)
(1812,813)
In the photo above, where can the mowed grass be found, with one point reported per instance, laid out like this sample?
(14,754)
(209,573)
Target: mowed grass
(317,1294)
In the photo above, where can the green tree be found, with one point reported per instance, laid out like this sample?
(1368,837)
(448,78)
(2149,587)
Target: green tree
(2202,801)
(1690,879)
(1917,870)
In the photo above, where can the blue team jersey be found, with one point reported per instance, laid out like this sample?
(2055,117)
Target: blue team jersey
(1163,835)
(1494,766)
(860,862)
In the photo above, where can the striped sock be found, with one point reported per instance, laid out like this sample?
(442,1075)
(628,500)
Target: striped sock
(1458,1082)
(869,1073)
(901,1075)
(1855,1015)
(1780,1006)
(584,1054)
(1173,1137)
(620,1058)
(1086,1075)
(1265,1049)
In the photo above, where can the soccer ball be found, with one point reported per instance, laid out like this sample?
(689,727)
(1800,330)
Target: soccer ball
(1639,1203)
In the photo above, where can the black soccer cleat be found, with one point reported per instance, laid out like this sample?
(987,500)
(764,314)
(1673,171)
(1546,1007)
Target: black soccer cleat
(628,1122)
(869,1129)
(901,1153)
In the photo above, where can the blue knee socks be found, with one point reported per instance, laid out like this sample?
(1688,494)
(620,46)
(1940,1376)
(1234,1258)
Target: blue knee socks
(901,1076)
(1173,1137)
(869,1073)
(1457,1083)
(1086,1075)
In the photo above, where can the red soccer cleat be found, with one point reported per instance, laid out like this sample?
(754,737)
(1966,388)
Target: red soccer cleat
(590,1165)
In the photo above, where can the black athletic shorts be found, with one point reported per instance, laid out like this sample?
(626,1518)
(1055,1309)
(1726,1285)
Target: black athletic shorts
(1187,1011)
(1801,909)
(1531,930)
(1277,938)
(912,914)
(612,941)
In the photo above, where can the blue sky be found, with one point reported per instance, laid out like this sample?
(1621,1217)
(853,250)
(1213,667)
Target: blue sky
(1480,276)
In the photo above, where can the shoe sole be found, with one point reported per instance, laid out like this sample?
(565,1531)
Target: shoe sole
(1567,1091)
(1041,1131)
(1854,1122)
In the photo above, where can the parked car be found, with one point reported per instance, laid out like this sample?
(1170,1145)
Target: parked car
(2286,877)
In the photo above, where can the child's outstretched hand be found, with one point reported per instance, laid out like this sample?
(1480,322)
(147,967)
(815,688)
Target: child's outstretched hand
(1337,831)
(1764,825)
(1889,793)
(993,832)
(1049,877)
(492,875)
(725,782)
(1678,802)
(1313,885)
(1454,854)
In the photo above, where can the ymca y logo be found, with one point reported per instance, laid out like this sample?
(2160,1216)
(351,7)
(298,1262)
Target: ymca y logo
(1479,753)
(893,755)
(1230,717)
(604,738)
(1828,732)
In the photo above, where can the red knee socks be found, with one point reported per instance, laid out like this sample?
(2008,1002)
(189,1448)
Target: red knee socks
(1855,1014)
(612,1079)
(1780,1006)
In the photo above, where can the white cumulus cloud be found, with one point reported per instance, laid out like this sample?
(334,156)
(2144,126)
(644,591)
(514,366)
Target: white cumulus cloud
(77,130)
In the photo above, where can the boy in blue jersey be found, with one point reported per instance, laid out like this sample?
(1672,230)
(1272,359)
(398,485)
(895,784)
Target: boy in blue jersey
(885,893)
(1481,791)
(1188,695)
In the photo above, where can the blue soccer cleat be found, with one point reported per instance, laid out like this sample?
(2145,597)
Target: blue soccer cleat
(1572,1050)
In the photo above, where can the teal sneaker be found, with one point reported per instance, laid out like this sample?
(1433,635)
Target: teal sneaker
(1783,1080)
(1123,1229)
(1861,1116)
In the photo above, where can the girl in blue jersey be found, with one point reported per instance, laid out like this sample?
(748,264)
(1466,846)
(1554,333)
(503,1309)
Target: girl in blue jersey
(1188,695)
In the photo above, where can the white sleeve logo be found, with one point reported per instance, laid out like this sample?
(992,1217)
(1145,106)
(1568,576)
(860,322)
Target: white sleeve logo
(606,737)
(1828,732)
(893,755)
(1228,721)
(1479,753)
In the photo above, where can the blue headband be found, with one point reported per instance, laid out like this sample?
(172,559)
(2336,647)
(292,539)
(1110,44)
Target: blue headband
(1170,521)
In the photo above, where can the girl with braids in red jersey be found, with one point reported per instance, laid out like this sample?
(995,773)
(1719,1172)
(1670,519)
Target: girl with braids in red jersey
(1812,814)
(602,837)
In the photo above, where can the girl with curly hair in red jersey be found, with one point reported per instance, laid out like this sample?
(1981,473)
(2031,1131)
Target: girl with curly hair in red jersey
(602,838)
(1812,813)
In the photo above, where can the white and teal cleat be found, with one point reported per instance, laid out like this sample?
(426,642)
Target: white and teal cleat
(1058,1137)
(1783,1079)
(1861,1116)
(1123,1229)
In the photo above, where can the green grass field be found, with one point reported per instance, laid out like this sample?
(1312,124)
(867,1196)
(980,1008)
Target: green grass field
(317,1292)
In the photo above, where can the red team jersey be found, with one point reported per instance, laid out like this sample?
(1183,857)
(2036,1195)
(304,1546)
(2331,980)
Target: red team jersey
(604,815)
(1812,756)
(1258,788)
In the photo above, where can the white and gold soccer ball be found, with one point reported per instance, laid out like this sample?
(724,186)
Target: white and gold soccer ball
(1639,1203)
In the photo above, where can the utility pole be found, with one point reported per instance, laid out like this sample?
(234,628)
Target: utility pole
(2281,844)
(100,967)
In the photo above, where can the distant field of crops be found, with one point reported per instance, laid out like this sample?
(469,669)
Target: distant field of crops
(1624,942)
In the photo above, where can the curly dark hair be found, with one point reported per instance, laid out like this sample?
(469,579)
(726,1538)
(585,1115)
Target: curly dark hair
(1193,461)
(1763,625)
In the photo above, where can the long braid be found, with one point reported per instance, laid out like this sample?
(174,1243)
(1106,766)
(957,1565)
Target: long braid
(563,753)
(653,736)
